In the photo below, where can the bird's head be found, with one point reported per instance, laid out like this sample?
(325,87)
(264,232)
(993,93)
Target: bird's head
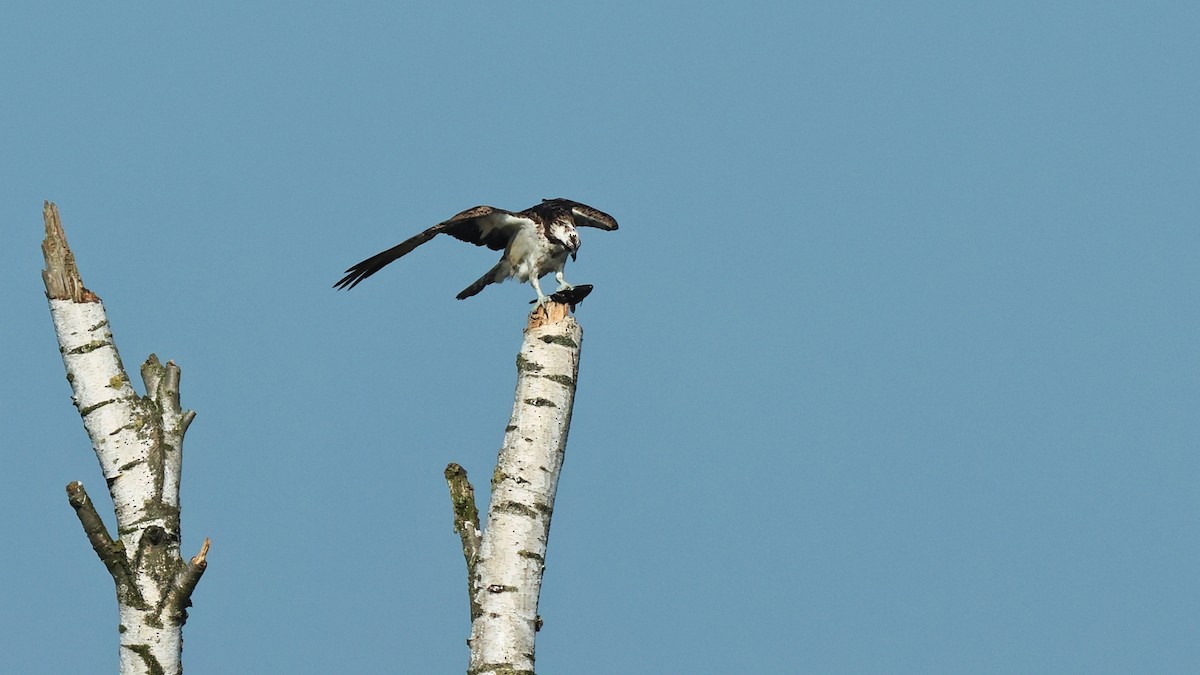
(564,235)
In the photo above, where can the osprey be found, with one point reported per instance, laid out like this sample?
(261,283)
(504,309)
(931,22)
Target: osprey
(535,241)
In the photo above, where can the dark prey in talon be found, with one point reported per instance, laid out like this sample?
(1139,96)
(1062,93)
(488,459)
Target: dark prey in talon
(535,242)
(570,296)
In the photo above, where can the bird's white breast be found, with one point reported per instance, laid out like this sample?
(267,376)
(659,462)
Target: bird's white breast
(529,254)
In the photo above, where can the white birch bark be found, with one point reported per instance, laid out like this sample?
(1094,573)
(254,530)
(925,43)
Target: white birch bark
(138,441)
(506,574)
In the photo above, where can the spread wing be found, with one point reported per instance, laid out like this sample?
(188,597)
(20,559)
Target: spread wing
(581,214)
(482,225)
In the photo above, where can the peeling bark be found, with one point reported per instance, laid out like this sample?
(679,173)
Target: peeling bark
(138,441)
(505,570)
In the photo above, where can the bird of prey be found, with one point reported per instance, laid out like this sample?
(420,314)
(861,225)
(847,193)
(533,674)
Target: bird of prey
(535,241)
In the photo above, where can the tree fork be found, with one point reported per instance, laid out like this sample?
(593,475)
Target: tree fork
(138,441)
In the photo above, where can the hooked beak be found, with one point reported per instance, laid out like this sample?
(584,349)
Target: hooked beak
(572,256)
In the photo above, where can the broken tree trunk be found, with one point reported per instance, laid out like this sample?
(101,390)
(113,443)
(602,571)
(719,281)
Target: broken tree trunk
(138,440)
(506,561)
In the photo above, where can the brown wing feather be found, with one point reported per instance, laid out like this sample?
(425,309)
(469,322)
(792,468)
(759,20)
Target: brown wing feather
(481,225)
(581,214)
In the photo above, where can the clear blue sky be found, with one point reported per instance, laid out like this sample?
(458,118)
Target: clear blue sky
(891,368)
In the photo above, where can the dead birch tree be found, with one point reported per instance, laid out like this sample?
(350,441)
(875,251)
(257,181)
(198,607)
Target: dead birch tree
(138,441)
(506,559)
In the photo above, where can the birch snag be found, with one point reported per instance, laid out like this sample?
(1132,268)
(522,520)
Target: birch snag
(505,566)
(138,441)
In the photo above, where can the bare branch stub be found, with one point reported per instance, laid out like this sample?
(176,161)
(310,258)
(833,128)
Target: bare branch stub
(111,553)
(61,275)
(180,597)
(466,524)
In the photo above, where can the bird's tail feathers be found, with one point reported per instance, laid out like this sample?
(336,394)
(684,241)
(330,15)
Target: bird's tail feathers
(480,283)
